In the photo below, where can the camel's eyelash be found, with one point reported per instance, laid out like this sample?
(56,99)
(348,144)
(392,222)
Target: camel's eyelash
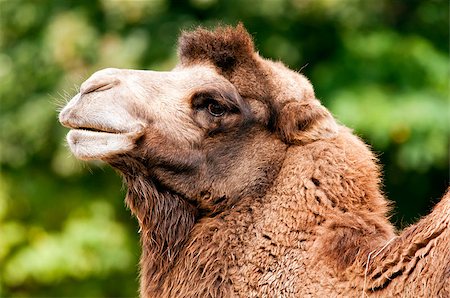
(202,100)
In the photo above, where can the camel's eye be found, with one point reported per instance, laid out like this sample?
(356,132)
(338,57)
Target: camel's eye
(216,109)
(213,102)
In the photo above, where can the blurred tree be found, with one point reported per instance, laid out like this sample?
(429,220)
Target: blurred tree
(380,66)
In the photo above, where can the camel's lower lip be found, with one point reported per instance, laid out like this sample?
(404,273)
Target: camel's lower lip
(88,144)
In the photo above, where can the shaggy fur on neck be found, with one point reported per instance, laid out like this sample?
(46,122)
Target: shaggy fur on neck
(165,220)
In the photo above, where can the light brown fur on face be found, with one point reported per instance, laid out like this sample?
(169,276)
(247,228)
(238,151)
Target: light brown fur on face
(244,185)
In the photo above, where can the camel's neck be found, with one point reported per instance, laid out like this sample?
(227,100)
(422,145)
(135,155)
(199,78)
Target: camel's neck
(320,188)
(165,221)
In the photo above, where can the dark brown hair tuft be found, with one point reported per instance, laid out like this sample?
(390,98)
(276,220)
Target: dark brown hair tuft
(226,47)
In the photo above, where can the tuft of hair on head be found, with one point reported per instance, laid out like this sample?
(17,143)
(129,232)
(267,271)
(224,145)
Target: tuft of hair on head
(226,47)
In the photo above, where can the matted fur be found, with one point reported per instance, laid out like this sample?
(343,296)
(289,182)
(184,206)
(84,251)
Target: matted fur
(271,198)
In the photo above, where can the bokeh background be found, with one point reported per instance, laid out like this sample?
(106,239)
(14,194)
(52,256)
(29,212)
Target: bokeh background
(381,67)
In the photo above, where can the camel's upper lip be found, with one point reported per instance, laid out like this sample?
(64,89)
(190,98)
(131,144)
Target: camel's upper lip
(93,126)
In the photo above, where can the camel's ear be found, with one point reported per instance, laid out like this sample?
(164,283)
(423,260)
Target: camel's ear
(302,122)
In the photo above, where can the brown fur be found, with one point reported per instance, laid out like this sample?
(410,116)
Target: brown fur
(271,199)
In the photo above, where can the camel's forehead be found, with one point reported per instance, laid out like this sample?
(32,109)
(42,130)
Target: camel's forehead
(181,80)
(195,75)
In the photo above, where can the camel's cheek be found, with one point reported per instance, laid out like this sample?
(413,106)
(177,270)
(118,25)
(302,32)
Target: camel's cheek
(87,145)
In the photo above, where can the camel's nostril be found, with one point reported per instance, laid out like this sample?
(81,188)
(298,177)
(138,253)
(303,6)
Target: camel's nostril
(96,85)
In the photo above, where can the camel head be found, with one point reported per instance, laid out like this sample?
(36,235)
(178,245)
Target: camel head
(213,129)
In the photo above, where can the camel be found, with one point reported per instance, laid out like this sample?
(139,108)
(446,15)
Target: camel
(244,184)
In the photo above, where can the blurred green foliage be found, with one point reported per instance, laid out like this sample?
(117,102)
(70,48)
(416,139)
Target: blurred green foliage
(380,66)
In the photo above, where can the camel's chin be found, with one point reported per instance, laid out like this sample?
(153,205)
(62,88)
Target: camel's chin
(89,145)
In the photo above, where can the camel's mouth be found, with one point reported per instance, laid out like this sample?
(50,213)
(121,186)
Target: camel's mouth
(94,128)
(99,133)
(97,130)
